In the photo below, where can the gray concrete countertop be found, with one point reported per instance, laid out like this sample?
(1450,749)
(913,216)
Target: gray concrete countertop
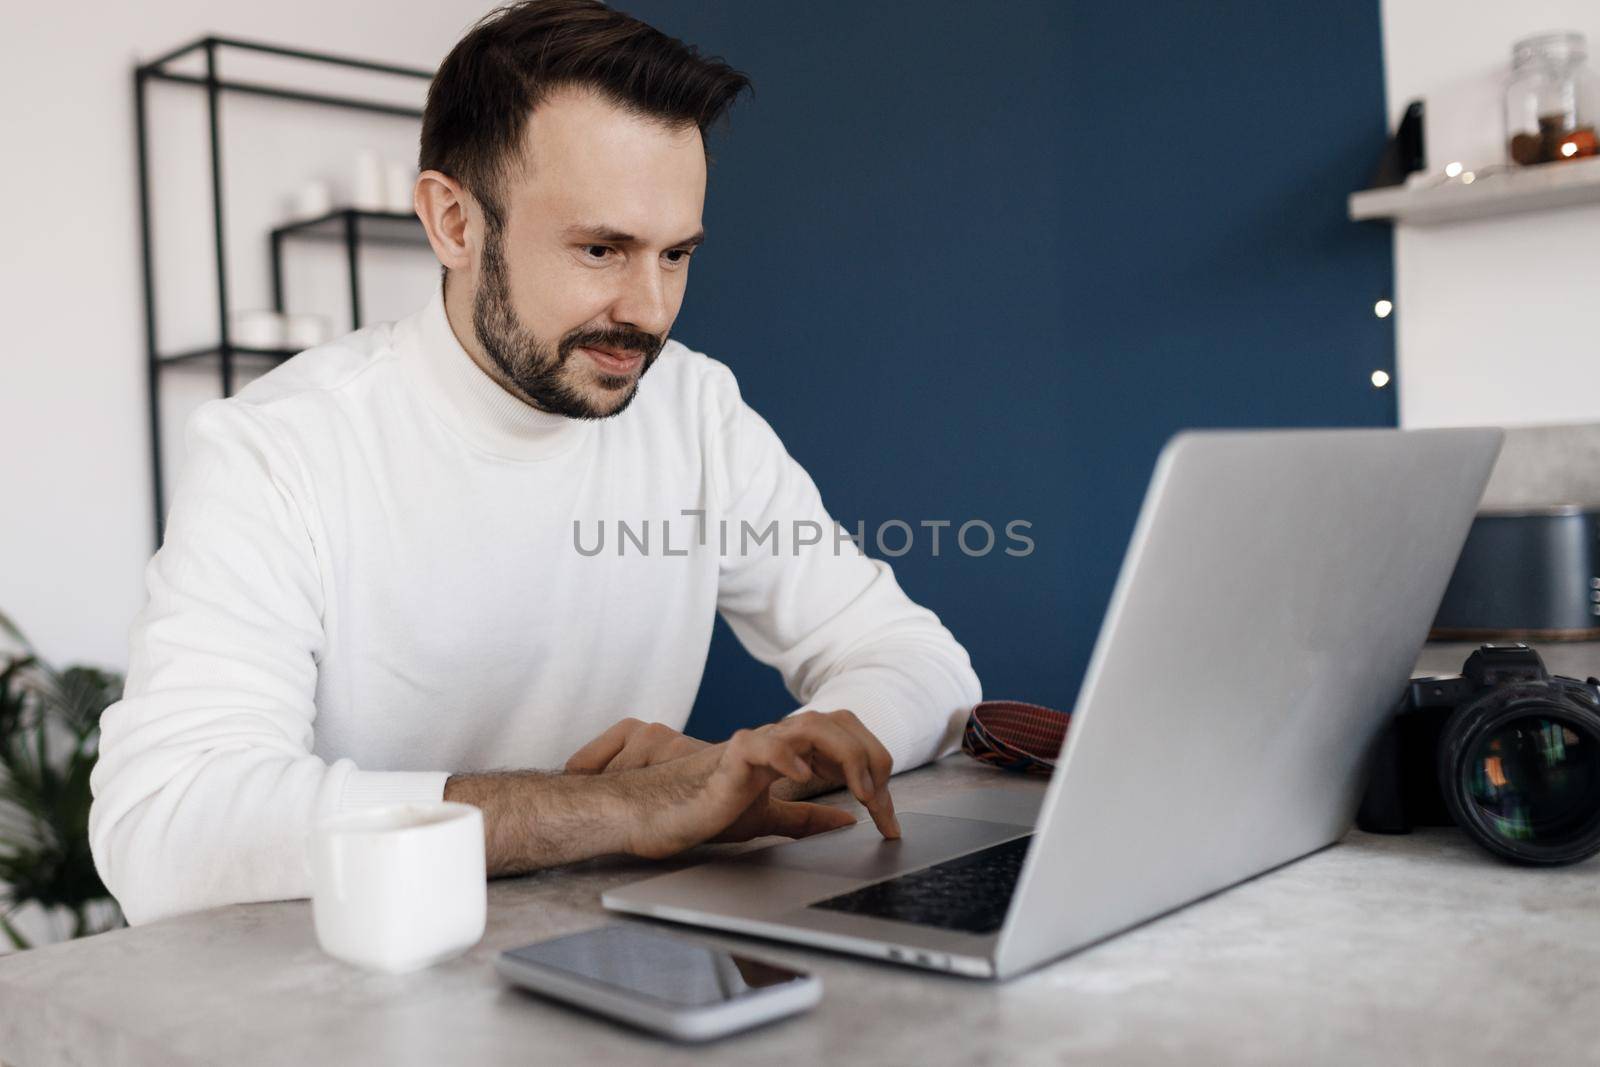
(1415,949)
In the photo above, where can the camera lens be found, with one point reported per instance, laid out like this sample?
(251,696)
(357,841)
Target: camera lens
(1523,778)
(1535,779)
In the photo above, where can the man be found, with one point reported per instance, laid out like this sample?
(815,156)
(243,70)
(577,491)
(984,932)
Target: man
(372,588)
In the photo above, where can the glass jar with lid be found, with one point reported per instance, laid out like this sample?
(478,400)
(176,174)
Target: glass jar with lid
(1551,100)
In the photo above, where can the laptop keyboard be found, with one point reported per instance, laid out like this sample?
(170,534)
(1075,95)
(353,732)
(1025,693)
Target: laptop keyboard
(969,893)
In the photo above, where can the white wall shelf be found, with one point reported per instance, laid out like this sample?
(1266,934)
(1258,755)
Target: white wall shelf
(1549,185)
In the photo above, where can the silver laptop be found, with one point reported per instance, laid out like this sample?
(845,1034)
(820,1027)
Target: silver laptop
(1274,597)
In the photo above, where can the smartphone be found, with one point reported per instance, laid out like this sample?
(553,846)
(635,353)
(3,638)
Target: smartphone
(668,985)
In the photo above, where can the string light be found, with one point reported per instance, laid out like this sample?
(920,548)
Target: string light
(1380,378)
(1452,169)
(1383,308)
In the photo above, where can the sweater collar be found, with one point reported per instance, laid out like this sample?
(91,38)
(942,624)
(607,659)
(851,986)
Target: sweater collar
(473,403)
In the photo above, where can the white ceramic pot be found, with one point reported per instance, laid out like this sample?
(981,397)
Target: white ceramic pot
(399,184)
(369,191)
(312,199)
(257,329)
(305,331)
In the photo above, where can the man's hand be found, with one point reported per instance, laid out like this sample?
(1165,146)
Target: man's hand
(663,792)
(722,792)
(630,744)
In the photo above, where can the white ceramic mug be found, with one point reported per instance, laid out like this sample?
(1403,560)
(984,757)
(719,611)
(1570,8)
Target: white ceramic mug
(401,887)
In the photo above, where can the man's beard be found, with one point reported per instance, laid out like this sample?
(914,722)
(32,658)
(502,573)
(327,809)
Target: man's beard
(529,364)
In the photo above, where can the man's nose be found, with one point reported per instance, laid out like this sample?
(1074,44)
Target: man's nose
(644,301)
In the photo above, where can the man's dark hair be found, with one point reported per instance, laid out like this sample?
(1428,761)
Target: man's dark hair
(514,57)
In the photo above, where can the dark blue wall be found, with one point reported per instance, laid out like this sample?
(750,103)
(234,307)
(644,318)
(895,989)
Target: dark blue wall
(978,261)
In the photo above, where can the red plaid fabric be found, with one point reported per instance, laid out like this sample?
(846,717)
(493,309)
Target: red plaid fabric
(1015,736)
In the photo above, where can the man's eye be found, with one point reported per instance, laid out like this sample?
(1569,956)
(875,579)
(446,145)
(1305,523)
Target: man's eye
(598,251)
(682,255)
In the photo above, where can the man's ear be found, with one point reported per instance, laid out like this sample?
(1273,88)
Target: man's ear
(441,204)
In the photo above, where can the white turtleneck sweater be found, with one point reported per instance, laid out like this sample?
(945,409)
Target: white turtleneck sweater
(379,570)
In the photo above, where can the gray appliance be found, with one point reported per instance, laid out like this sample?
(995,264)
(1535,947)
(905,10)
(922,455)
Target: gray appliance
(1530,573)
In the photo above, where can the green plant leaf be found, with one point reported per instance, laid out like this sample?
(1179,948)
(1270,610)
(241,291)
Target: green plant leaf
(10,629)
(18,942)
(24,782)
(80,694)
(14,695)
(44,783)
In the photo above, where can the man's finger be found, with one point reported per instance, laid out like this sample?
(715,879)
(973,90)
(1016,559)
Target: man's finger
(878,758)
(767,749)
(594,757)
(790,818)
(817,731)
(653,743)
(843,748)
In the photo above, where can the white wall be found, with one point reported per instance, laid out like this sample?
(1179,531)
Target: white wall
(75,507)
(1495,319)
(76,526)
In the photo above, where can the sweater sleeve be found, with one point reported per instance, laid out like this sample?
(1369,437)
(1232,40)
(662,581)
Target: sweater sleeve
(206,787)
(806,600)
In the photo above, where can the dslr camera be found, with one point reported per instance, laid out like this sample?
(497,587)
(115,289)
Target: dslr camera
(1505,750)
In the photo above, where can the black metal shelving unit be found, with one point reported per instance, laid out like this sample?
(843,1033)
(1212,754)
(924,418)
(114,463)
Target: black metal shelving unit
(351,226)
(354,227)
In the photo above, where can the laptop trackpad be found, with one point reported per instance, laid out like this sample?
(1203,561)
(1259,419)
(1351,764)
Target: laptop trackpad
(861,852)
